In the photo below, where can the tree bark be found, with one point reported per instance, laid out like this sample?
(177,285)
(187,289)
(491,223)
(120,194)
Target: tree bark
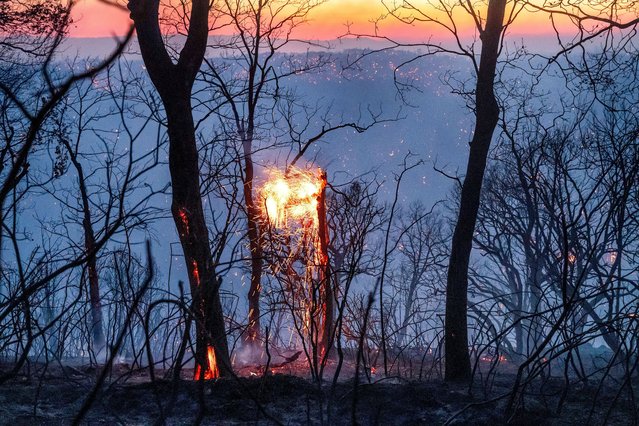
(174,82)
(253,334)
(97,328)
(327,296)
(408,307)
(97,324)
(457,358)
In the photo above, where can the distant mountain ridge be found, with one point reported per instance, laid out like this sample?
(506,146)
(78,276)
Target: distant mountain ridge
(102,46)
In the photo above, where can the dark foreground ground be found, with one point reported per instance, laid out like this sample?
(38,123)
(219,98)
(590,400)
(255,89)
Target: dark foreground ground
(285,399)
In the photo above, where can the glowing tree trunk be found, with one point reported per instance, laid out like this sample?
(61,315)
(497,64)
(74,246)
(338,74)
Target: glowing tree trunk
(189,219)
(174,82)
(326,288)
(295,203)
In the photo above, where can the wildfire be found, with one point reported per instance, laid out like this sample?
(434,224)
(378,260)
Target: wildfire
(212,371)
(292,198)
(294,207)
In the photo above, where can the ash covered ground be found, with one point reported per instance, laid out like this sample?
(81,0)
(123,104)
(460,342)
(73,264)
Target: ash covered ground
(55,396)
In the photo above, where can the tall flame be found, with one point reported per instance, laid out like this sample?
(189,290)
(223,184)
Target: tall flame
(295,208)
(212,371)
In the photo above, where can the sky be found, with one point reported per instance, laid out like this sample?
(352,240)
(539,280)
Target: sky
(328,21)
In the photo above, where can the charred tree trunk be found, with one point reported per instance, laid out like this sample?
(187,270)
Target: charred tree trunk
(457,358)
(255,246)
(188,215)
(97,327)
(531,256)
(408,307)
(174,82)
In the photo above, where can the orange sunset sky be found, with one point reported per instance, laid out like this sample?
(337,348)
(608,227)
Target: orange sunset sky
(328,21)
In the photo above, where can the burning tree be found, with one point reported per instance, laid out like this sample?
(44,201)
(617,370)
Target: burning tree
(173,79)
(296,246)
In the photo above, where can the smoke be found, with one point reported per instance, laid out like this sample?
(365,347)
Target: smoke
(250,354)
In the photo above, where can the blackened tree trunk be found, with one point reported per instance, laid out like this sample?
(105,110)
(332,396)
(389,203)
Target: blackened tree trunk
(96,326)
(408,308)
(174,82)
(253,334)
(457,359)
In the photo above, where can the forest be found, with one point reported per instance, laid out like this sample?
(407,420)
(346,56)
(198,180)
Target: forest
(220,216)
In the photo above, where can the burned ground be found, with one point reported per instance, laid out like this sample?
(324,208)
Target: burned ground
(52,398)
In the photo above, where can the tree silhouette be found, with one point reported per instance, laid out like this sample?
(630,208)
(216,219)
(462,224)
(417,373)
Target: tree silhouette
(491,26)
(174,82)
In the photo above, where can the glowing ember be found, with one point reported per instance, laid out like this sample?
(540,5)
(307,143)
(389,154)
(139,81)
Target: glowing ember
(185,219)
(196,273)
(489,358)
(212,371)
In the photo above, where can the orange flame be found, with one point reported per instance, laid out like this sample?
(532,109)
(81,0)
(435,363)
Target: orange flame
(291,198)
(212,371)
(294,206)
